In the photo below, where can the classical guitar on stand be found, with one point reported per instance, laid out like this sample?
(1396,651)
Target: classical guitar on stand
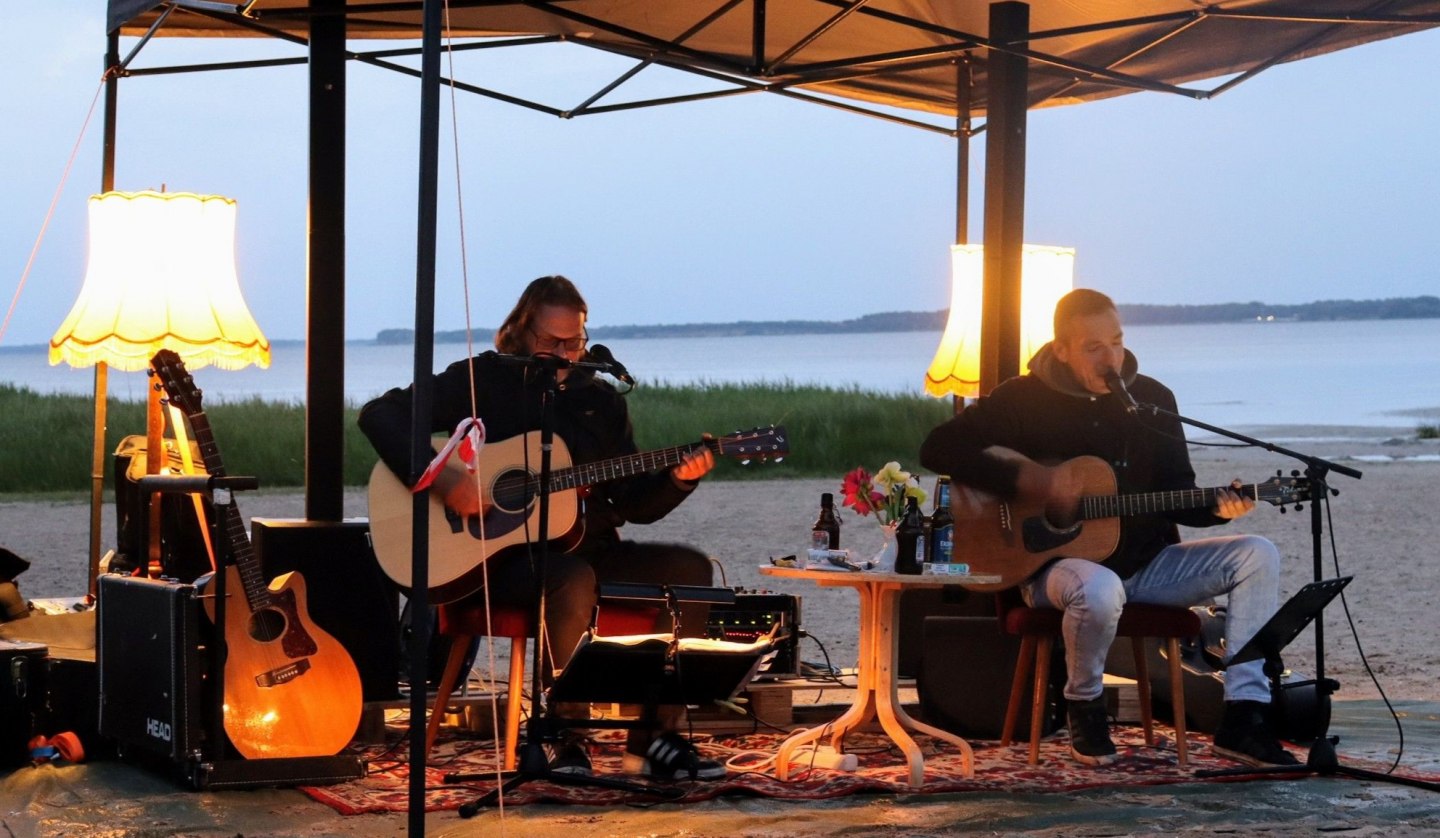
(1014,539)
(291,690)
(510,488)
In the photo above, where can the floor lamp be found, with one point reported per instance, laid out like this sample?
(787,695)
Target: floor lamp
(160,274)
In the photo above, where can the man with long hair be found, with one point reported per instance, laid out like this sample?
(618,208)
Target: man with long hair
(592,419)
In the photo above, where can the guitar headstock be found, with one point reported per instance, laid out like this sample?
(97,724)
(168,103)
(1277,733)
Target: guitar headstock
(769,443)
(1283,491)
(179,387)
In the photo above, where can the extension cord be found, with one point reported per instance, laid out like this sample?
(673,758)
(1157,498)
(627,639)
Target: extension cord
(827,757)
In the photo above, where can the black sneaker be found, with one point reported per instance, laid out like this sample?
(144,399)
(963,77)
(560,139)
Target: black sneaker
(568,756)
(672,757)
(1245,736)
(1090,732)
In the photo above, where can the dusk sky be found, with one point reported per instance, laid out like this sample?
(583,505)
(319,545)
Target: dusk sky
(1316,180)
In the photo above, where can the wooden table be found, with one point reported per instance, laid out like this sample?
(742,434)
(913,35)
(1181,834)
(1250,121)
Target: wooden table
(875,688)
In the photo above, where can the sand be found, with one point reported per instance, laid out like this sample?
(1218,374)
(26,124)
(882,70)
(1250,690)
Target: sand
(1382,527)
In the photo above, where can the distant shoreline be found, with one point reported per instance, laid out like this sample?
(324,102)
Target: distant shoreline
(1134,314)
(1400,308)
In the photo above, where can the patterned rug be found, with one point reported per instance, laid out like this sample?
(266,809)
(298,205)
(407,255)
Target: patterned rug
(750,757)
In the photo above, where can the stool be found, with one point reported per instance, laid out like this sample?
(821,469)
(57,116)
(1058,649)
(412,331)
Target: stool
(462,622)
(1038,628)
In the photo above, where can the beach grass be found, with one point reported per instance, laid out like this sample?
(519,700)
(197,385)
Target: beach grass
(49,438)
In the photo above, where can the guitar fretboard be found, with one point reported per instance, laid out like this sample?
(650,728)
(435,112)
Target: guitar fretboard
(257,592)
(618,467)
(1144,503)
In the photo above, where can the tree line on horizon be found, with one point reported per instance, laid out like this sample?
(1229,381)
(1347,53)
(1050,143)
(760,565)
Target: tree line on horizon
(1138,314)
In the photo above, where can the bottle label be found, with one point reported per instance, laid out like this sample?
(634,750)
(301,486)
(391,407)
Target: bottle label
(944,543)
(819,540)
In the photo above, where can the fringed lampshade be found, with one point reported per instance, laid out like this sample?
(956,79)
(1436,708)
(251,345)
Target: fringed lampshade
(1047,274)
(160,274)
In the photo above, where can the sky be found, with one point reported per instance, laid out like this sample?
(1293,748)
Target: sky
(1316,180)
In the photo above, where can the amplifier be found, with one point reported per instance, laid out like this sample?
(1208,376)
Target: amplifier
(151,657)
(753,615)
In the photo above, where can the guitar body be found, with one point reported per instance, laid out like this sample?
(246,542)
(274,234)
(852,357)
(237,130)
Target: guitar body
(990,533)
(291,689)
(457,549)
(509,473)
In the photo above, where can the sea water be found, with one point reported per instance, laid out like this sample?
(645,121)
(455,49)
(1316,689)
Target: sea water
(1364,374)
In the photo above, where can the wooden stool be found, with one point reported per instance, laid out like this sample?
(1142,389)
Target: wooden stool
(1038,628)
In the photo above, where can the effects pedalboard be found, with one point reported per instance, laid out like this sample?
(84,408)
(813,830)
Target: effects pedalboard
(753,614)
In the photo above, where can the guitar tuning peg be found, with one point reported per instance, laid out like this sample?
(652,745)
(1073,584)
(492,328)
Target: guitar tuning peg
(745,462)
(1334,492)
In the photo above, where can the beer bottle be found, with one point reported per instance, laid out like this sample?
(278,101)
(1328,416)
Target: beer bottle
(941,541)
(825,535)
(910,539)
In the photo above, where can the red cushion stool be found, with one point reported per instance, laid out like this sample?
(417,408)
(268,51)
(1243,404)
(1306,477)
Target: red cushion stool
(1038,628)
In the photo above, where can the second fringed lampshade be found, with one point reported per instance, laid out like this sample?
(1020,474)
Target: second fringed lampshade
(1047,274)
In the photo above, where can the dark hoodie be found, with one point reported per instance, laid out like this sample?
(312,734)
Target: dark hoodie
(1047,416)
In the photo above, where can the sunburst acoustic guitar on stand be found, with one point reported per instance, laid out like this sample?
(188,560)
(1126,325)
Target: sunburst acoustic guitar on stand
(510,487)
(1013,540)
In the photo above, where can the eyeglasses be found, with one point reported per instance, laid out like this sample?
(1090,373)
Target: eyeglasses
(548,343)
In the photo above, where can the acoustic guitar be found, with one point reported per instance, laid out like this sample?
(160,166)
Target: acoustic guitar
(1014,540)
(291,689)
(510,489)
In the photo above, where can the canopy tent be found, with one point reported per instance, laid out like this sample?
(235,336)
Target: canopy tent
(896,53)
(905,60)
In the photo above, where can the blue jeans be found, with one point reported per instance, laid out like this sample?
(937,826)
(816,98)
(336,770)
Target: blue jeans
(1246,567)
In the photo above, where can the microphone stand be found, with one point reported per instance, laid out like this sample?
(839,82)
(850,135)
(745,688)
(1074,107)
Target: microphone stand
(1321,759)
(543,726)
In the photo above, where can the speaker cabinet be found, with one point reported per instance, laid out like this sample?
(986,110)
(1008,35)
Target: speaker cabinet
(150,657)
(347,594)
(917,605)
(964,680)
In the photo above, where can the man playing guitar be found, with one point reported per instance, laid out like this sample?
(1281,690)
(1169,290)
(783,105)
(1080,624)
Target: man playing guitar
(592,419)
(1061,410)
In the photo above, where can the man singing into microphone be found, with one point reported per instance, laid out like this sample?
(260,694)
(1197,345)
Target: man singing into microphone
(591,418)
(1065,408)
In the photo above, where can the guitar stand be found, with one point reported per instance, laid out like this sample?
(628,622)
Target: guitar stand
(215,768)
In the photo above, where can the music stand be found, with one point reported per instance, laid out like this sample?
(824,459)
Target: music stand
(650,670)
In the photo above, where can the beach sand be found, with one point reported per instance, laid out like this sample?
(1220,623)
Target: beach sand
(1386,536)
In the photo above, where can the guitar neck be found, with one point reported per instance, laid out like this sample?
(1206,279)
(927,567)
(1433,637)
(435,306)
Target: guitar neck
(257,592)
(1145,503)
(618,467)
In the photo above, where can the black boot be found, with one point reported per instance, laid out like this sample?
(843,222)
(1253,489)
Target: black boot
(1245,736)
(1090,732)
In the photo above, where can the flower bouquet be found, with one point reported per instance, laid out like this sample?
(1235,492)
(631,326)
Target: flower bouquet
(883,494)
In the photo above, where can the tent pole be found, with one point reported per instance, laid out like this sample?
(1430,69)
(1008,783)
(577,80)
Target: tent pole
(1005,114)
(422,396)
(962,168)
(325,315)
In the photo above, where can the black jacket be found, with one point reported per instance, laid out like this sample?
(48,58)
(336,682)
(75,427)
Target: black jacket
(1048,417)
(590,417)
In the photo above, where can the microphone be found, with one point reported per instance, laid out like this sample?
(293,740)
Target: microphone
(600,353)
(1117,388)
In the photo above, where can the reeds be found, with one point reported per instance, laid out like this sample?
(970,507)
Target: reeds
(47,439)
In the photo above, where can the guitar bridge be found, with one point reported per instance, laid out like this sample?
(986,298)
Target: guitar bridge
(283,674)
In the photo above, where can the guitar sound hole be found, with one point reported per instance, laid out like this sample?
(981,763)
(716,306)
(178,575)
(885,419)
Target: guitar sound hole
(512,490)
(266,625)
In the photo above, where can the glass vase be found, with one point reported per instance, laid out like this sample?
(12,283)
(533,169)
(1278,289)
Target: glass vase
(884,559)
